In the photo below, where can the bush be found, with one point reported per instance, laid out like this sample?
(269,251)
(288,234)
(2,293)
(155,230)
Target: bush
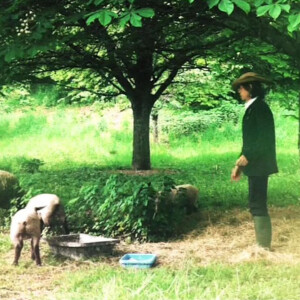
(124,207)
(31,165)
(17,203)
(9,189)
(22,164)
(199,122)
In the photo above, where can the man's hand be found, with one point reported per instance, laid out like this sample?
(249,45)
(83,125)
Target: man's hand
(236,173)
(242,161)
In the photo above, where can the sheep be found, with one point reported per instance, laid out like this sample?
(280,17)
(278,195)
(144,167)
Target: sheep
(186,195)
(9,188)
(50,209)
(25,224)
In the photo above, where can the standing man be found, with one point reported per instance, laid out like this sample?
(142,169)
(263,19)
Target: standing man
(258,156)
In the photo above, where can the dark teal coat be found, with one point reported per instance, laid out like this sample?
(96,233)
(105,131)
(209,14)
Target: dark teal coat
(259,140)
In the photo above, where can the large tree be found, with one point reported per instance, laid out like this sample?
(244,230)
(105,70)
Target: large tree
(121,42)
(38,38)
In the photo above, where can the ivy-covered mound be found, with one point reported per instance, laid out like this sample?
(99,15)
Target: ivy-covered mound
(125,206)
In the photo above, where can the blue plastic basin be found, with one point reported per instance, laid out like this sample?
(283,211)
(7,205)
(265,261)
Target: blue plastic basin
(138,261)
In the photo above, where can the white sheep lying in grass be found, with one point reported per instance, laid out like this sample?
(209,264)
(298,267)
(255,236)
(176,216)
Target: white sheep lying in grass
(50,209)
(26,224)
(186,194)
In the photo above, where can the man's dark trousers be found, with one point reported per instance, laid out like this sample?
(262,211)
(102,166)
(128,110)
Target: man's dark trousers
(258,187)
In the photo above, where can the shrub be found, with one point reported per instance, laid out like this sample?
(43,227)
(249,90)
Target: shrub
(124,207)
(9,189)
(199,122)
(22,164)
(18,203)
(31,165)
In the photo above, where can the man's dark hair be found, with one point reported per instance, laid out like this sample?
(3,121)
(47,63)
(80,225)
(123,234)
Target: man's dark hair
(255,89)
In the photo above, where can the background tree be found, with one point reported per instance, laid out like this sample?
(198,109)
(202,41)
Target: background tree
(279,26)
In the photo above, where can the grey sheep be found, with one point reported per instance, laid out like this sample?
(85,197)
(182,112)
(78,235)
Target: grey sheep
(50,209)
(25,224)
(187,194)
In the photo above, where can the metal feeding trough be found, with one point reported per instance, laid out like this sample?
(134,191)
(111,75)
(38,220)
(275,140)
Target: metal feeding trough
(81,246)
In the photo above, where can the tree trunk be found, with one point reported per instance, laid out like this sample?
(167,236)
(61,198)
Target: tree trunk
(299,125)
(141,142)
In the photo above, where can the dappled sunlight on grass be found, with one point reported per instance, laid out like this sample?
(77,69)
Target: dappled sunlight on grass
(74,142)
(82,135)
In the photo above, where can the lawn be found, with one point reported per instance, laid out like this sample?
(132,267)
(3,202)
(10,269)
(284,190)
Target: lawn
(214,257)
(216,260)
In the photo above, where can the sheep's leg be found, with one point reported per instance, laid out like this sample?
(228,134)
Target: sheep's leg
(18,249)
(32,250)
(42,226)
(36,249)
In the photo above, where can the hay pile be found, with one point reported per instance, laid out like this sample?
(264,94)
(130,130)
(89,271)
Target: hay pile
(229,238)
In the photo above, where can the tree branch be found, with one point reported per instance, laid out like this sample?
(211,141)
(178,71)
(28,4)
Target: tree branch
(166,83)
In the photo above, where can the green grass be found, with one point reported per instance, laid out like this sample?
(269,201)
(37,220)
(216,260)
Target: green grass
(246,281)
(259,280)
(77,146)
(80,150)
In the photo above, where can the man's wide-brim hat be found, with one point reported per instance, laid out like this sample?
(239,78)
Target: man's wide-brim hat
(247,78)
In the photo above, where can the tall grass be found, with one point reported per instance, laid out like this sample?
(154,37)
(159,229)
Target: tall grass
(63,279)
(245,281)
(77,143)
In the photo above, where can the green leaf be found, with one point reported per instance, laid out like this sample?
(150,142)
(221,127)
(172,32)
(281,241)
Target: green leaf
(131,1)
(294,21)
(212,3)
(243,5)
(135,20)
(275,11)
(291,28)
(191,1)
(92,18)
(37,35)
(258,2)
(124,19)
(13,53)
(226,6)
(112,14)
(98,2)
(285,7)
(73,201)
(9,56)
(145,12)
(103,16)
(263,10)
